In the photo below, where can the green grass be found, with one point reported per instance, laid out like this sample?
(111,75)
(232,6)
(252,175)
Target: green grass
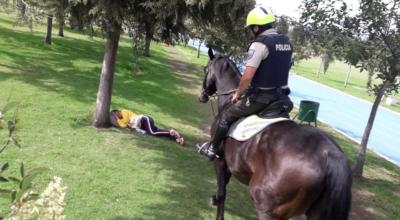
(112,174)
(336,76)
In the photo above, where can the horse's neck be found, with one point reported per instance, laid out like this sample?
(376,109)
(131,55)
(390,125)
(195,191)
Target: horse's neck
(222,101)
(227,83)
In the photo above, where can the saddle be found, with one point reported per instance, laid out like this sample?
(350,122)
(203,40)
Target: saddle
(247,127)
(279,108)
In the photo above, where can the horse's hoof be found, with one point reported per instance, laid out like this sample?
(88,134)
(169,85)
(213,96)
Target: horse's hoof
(213,200)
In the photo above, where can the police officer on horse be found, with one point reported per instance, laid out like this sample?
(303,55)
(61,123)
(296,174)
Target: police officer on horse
(265,79)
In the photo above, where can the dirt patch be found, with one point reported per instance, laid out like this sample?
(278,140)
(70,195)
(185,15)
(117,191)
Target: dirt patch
(173,56)
(181,66)
(183,71)
(358,212)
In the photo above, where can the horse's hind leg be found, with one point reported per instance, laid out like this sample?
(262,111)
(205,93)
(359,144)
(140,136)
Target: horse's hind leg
(263,202)
(223,176)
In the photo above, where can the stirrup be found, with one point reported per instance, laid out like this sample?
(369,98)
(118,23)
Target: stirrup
(206,150)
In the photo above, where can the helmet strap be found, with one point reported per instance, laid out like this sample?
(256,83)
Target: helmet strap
(261,29)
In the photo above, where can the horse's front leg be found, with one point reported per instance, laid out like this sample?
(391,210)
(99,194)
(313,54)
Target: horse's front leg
(223,176)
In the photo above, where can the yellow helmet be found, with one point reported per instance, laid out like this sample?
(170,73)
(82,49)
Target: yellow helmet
(259,16)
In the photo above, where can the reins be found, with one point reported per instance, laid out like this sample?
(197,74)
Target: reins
(213,97)
(217,94)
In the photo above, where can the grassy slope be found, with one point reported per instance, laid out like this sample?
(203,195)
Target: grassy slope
(112,174)
(336,76)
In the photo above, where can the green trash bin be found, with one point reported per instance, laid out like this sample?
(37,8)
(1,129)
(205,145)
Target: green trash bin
(308,111)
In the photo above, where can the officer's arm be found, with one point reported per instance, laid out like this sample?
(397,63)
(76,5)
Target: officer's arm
(245,80)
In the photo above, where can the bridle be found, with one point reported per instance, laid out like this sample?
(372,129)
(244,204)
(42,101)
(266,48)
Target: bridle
(206,91)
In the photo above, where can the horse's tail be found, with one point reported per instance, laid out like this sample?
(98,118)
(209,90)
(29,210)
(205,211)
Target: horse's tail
(336,200)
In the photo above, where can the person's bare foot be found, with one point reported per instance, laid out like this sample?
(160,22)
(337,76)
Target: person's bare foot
(179,139)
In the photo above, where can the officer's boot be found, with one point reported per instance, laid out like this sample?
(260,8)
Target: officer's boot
(211,149)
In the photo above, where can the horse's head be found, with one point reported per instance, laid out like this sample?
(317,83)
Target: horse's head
(209,82)
(220,75)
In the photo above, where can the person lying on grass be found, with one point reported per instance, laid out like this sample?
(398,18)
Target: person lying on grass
(142,123)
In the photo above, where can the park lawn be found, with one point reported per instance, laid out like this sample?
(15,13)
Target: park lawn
(335,77)
(113,174)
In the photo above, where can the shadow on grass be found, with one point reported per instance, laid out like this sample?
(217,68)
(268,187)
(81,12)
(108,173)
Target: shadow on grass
(376,198)
(192,182)
(59,69)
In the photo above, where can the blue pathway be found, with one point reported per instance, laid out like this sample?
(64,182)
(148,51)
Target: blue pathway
(349,115)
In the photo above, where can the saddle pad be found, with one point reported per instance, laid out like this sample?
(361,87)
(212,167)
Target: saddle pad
(246,128)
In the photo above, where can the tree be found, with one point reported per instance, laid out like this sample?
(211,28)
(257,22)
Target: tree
(163,19)
(282,25)
(353,52)
(80,16)
(47,8)
(326,59)
(110,14)
(61,10)
(221,23)
(302,47)
(169,25)
(5,5)
(47,39)
(374,32)
(25,13)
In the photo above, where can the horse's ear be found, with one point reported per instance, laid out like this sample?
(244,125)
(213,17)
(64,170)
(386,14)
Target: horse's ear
(211,53)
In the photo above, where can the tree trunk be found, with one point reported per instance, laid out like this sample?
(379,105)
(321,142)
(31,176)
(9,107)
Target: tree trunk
(91,27)
(61,27)
(359,166)
(103,102)
(320,67)
(198,49)
(47,39)
(21,9)
(347,78)
(135,49)
(149,37)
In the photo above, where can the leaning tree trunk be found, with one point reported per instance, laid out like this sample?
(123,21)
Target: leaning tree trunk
(47,39)
(103,102)
(359,166)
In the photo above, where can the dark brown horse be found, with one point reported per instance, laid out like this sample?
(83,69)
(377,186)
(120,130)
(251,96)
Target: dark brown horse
(290,169)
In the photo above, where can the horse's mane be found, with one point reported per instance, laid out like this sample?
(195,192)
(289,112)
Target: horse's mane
(227,60)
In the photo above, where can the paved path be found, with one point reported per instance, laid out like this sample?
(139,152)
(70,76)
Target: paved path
(349,115)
